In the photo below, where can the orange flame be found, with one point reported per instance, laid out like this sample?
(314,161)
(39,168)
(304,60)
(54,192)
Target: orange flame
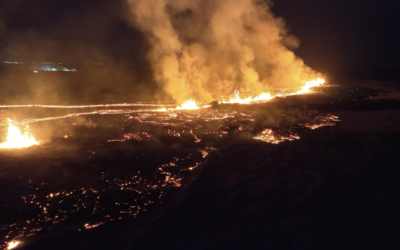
(189,104)
(16,138)
(307,88)
(264,97)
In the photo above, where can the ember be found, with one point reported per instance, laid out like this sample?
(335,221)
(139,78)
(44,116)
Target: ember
(269,136)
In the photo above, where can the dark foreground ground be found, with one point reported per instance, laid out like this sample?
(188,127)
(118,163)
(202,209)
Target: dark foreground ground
(335,188)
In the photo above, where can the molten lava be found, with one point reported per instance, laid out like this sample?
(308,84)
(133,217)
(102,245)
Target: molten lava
(16,138)
(13,244)
(235,98)
(311,84)
(264,97)
(268,135)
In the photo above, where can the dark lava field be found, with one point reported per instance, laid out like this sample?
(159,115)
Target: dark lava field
(194,181)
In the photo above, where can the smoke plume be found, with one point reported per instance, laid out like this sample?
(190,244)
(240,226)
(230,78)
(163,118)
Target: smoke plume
(204,49)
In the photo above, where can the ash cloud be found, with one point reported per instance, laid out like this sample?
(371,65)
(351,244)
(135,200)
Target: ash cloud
(204,49)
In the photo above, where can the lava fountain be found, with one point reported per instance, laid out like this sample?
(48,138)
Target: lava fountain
(18,137)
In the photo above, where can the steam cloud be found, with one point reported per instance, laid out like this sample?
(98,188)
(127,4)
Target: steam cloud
(204,49)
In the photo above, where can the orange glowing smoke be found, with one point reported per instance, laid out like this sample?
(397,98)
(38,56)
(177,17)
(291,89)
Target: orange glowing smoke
(18,137)
(205,49)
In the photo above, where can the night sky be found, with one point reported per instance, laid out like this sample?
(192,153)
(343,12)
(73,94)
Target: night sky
(344,38)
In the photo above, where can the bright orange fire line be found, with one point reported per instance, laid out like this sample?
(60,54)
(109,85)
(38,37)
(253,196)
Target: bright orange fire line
(189,105)
(87,106)
(235,98)
(100,112)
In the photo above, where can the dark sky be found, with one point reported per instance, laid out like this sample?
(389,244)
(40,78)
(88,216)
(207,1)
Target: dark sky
(336,36)
(68,30)
(340,36)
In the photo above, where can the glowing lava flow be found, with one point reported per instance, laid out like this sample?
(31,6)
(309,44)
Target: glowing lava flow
(118,105)
(264,97)
(17,139)
(13,244)
(269,136)
(307,88)
(188,105)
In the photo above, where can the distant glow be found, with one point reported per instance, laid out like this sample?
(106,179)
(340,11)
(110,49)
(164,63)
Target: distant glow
(56,68)
(16,138)
(8,62)
(13,244)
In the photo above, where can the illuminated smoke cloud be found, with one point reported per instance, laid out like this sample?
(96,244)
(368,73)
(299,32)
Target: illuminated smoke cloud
(204,49)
